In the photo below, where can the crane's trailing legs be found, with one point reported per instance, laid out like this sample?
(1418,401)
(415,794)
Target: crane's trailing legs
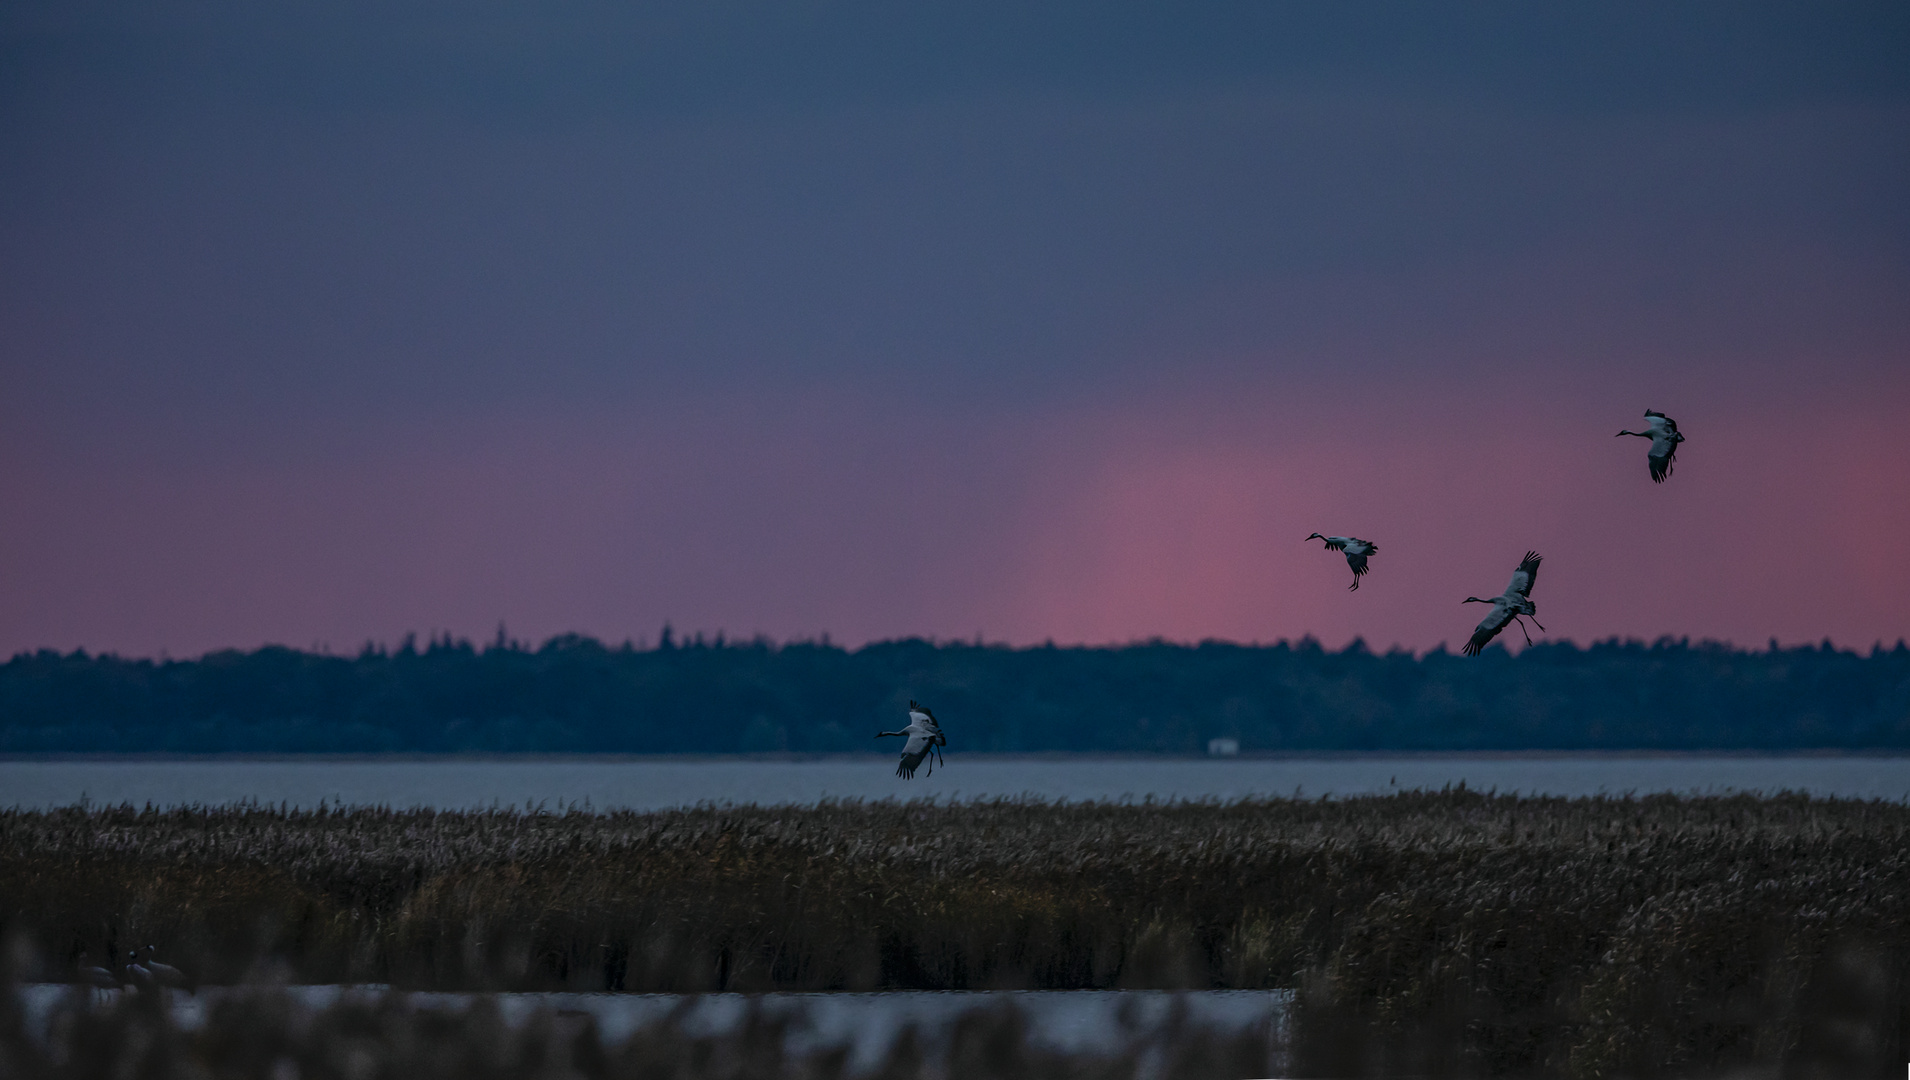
(1508,606)
(1355,550)
(1523,630)
(1663,432)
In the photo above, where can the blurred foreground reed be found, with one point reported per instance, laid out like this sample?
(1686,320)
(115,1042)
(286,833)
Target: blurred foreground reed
(268,1035)
(1447,933)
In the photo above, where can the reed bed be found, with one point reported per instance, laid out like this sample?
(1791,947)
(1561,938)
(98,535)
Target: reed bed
(1449,932)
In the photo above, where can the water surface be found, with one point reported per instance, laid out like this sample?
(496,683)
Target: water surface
(657,783)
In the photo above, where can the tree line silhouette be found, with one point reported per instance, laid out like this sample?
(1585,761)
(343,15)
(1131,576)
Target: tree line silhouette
(573,694)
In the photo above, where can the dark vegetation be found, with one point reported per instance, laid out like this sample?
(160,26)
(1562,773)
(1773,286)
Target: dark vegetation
(575,695)
(1449,932)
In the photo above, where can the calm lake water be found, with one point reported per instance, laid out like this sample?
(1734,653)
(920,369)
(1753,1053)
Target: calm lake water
(655,783)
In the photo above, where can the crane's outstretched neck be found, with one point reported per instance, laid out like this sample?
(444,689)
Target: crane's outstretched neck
(1640,434)
(1474,600)
(879,734)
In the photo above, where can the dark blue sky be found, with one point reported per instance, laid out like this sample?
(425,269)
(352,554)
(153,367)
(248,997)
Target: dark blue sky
(327,322)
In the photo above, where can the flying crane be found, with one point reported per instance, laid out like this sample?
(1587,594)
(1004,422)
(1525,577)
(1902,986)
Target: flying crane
(1662,430)
(1515,601)
(923,735)
(1356,552)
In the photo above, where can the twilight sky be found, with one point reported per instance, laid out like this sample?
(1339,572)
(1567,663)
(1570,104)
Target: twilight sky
(327,321)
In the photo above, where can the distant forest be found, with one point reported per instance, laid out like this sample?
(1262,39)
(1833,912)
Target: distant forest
(576,695)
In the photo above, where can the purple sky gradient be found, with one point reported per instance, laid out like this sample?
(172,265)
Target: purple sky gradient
(1023,337)
(1094,525)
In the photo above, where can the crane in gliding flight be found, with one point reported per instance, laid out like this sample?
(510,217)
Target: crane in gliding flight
(1662,430)
(923,735)
(1515,601)
(1356,551)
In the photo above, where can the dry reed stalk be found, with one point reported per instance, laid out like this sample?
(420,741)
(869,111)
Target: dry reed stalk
(1558,936)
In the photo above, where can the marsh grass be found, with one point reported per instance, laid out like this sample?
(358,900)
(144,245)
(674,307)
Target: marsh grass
(1454,932)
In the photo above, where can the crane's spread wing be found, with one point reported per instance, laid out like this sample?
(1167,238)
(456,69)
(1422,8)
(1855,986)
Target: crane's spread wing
(1526,574)
(1356,560)
(1663,448)
(1488,629)
(913,753)
(1355,550)
(1660,422)
(923,720)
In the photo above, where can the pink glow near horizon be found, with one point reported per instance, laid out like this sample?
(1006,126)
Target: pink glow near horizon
(1754,537)
(1093,526)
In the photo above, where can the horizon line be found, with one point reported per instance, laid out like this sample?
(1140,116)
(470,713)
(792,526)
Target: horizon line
(667,641)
